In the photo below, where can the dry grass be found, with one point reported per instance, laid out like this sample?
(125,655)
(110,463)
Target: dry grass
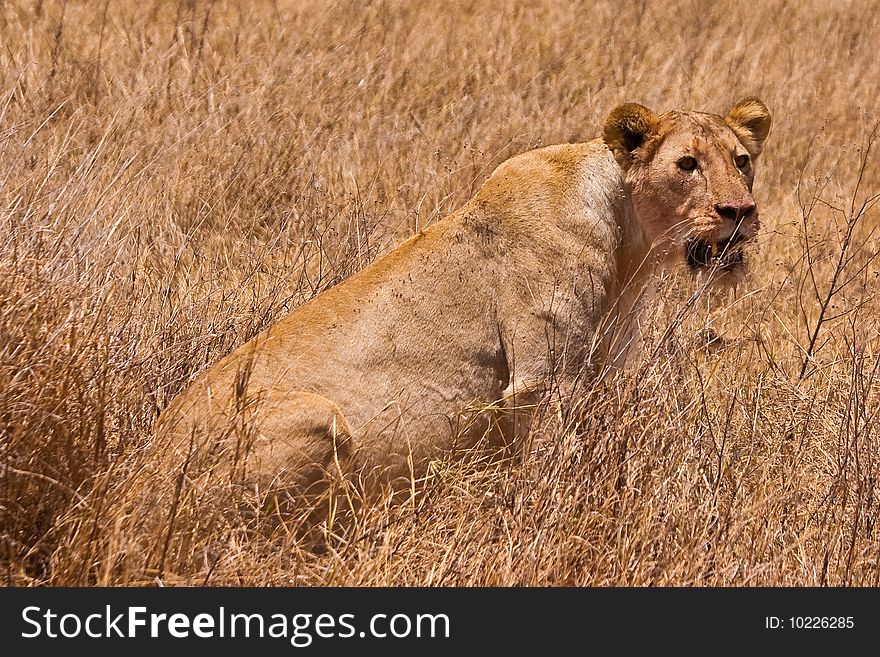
(175,176)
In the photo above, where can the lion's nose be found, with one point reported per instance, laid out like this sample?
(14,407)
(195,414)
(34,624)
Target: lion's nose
(735,211)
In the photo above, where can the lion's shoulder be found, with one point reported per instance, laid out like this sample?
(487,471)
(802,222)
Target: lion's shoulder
(553,173)
(570,188)
(559,160)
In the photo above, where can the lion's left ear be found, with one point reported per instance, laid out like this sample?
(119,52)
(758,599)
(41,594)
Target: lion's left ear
(750,121)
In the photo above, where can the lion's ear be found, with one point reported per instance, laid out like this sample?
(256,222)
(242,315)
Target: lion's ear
(750,121)
(627,128)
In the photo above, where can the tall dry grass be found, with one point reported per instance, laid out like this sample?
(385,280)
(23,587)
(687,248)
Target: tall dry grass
(174,176)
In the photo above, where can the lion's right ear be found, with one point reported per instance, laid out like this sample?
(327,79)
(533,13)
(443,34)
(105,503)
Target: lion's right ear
(627,128)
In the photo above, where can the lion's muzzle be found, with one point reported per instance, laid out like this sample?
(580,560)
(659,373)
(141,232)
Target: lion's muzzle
(724,254)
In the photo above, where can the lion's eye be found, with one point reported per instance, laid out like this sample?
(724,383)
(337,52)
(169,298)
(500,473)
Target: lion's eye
(687,164)
(741,161)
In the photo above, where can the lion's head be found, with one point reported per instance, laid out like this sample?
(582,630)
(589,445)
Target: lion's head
(689,176)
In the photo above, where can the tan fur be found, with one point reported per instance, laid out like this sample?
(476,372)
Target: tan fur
(484,310)
(750,121)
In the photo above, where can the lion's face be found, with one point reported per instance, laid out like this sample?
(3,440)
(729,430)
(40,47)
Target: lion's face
(689,176)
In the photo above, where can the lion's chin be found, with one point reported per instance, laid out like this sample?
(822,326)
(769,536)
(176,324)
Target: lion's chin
(724,277)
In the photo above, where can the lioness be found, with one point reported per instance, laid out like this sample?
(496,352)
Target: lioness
(518,290)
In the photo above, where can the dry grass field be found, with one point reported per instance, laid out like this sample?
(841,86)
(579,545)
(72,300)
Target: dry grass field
(174,176)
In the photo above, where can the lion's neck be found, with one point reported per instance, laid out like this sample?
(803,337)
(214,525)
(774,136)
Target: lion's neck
(634,262)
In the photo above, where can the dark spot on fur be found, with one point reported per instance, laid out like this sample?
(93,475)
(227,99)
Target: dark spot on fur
(482,229)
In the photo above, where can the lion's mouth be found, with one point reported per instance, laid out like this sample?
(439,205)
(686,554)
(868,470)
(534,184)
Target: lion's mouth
(724,254)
